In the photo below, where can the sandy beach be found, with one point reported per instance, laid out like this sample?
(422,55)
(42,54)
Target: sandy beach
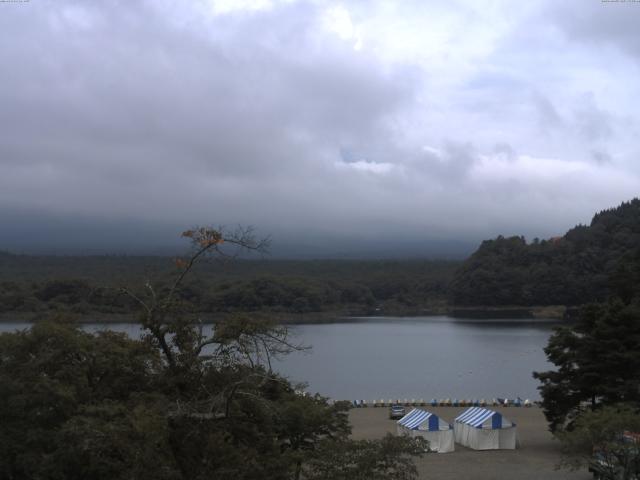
(537,457)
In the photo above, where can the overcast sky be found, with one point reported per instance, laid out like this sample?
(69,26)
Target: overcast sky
(411,127)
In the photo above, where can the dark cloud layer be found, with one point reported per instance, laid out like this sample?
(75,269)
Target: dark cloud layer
(339,128)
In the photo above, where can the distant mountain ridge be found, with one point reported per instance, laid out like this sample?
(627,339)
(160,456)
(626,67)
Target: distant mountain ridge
(587,264)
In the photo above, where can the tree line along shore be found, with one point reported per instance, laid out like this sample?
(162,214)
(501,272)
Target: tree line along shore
(505,277)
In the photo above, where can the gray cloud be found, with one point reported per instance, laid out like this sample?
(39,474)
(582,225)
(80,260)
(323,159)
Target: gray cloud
(506,151)
(601,157)
(548,117)
(600,24)
(317,124)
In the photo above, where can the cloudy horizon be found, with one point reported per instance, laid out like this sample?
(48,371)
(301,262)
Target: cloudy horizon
(403,129)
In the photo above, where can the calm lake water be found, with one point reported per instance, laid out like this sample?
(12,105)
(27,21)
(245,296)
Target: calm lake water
(411,357)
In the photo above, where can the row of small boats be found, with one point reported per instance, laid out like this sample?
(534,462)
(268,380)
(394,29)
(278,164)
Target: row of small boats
(447,402)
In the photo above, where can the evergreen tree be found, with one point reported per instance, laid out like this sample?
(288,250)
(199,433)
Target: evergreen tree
(597,360)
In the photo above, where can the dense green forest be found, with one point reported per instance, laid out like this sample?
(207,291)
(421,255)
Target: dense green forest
(89,285)
(589,263)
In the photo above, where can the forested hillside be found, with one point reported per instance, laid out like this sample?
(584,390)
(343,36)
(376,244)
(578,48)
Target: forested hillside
(89,285)
(587,264)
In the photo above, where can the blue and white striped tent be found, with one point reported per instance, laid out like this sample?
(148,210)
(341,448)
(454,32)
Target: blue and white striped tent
(483,429)
(420,423)
(478,417)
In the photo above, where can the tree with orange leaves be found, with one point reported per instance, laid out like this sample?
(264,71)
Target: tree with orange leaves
(161,316)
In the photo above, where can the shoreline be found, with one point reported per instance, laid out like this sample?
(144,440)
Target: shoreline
(474,314)
(314,320)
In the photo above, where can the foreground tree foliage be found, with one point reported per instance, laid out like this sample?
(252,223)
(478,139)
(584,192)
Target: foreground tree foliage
(604,439)
(67,397)
(183,402)
(365,459)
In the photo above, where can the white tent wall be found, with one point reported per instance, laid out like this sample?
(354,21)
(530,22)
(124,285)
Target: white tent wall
(440,441)
(457,432)
(484,439)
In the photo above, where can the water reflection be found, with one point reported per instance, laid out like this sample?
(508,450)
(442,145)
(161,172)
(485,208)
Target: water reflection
(408,357)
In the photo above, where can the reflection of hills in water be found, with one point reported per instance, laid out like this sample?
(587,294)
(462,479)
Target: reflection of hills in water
(422,357)
(539,323)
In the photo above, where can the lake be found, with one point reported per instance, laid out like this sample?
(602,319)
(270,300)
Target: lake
(410,357)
